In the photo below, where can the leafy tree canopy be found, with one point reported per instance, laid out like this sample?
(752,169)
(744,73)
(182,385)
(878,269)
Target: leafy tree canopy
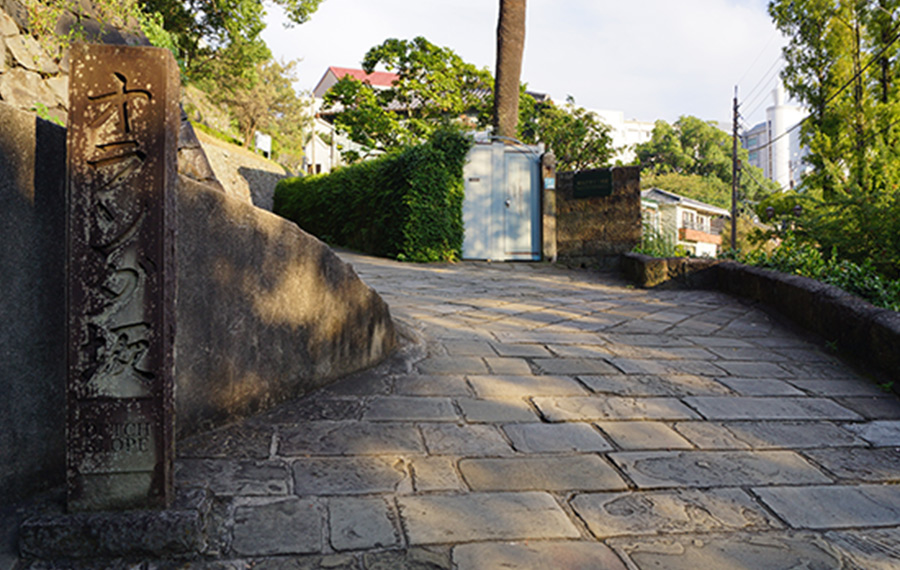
(842,59)
(221,38)
(434,87)
(694,156)
(577,137)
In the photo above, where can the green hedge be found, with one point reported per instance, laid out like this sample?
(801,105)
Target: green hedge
(406,205)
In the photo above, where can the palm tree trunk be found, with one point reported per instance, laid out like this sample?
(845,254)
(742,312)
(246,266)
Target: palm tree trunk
(510,45)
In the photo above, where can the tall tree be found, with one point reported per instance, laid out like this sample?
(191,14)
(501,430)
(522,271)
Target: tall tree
(510,47)
(842,56)
(577,137)
(692,157)
(221,38)
(434,87)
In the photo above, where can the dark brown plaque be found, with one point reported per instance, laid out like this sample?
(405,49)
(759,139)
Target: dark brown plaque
(122,152)
(593,183)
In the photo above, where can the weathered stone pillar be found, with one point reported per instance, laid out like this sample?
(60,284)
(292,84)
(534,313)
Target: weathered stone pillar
(122,151)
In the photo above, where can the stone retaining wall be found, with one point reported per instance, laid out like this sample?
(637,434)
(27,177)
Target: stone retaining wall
(265,312)
(597,229)
(866,334)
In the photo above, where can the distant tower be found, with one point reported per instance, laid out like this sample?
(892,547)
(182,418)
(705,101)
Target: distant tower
(785,157)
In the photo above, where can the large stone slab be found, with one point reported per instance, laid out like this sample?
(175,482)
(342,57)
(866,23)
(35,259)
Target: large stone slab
(872,549)
(786,408)
(464,440)
(732,551)
(834,506)
(683,510)
(571,555)
(643,435)
(555,438)
(493,411)
(525,386)
(649,469)
(650,385)
(878,433)
(406,408)
(442,519)
(767,435)
(563,473)
(599,408)
(230,477)
(860,463)
(350,475)
(290,526)
(665,367)
(349,438)
(122,145)
(573,366)
(357,523)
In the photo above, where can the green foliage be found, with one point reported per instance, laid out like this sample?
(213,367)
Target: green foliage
(268,102)
(800,258)
(841,62)
(577,137)
(406,205)
(696,156)
(434,88)
(45,16)
(218,43)
(41,111)
(658,244)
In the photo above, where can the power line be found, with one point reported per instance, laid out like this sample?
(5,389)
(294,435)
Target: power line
(765,80)
(759,55)
(839,91)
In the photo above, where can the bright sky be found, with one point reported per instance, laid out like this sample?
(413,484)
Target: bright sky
(651,59)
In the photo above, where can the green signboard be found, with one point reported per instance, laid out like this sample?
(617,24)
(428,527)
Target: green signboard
(593,183)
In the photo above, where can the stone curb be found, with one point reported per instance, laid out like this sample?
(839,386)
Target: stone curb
(861,331)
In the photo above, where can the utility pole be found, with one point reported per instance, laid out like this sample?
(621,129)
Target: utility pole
(735,172)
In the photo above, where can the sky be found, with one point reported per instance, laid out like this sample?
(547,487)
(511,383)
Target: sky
(651,59)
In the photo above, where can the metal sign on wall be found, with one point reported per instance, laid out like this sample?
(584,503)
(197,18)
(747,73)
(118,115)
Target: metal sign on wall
(593,183)
(122,161)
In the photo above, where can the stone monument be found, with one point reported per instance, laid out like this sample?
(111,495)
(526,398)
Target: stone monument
(122,168)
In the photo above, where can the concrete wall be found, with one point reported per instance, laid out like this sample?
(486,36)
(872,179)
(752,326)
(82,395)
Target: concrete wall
(596,230)
(32,303)
(865,334)
(264,311)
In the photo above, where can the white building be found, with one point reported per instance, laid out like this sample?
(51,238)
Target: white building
(625,134)
(774,145)
(322,152)
(691,224)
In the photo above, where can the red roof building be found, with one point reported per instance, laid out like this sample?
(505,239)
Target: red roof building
(377,79)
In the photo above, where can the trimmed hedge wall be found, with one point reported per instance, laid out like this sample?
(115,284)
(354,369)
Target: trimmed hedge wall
(406,205)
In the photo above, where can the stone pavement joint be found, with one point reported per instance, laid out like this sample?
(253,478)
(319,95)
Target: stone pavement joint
(541,417)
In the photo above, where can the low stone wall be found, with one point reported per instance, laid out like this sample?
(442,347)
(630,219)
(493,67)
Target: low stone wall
(864,333)
(265,312)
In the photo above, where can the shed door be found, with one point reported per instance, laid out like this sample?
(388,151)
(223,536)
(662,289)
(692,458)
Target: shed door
(520,201)
(501,210)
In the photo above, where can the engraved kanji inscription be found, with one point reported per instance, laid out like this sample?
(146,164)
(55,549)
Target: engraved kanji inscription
(122,164)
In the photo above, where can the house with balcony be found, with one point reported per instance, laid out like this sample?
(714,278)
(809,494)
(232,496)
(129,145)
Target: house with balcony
(691,224)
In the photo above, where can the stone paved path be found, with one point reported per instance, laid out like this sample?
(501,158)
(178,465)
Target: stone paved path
(560,419)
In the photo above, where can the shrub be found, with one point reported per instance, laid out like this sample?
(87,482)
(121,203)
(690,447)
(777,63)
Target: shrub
(800,258)
(406,205)
(658,244)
